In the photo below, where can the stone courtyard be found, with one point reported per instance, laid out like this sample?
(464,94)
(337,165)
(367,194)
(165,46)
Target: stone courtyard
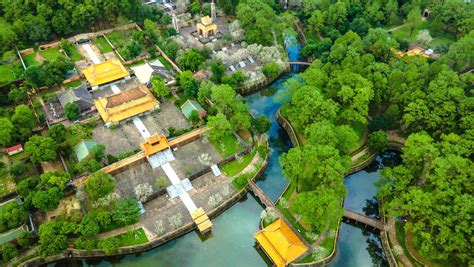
(126,137)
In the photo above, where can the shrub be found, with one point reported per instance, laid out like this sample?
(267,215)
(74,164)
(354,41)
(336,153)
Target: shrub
(271,70)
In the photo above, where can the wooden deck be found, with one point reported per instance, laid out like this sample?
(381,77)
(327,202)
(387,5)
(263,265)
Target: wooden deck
(298,63)
(363,219)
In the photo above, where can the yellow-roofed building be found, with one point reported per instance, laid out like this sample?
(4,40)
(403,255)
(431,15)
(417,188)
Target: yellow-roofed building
(116,108)
(206,27)
(155,144)
(280,243)
(105,72)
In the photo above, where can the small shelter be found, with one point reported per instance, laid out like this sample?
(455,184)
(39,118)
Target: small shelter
(280,243)
(83,149)
(154,144)
(80,95)
(206,27)
(189,106)
(124,105)
(13,150)
(105,72)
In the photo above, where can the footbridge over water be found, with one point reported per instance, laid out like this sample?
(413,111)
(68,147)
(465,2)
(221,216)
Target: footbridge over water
(351,215)
(360,218)
(303,63)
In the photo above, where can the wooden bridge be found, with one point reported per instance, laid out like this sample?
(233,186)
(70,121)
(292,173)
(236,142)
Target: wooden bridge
(298,63)
(352,215)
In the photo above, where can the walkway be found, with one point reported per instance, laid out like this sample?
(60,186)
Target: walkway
(396,247)
(298,63)
(91,54)
(363,219)
(141,128)
(115,89)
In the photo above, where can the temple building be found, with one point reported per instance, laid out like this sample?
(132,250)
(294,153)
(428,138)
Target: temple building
(280,243)
(105,72)
(206,27)
(125,105)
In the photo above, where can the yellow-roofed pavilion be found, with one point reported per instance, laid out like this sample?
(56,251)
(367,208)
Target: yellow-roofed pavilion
(280,243)
(206,27)
(105,72)
(116,108)
(155,144)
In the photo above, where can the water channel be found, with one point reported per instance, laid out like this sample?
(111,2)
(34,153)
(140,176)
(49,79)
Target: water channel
(232,241)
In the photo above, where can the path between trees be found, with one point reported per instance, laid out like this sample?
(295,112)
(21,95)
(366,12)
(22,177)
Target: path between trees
(398,250)
(395,28)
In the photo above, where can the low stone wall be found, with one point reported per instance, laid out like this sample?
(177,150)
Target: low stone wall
(92,35)
(288,128)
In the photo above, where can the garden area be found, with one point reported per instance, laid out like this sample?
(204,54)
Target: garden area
(130,238)
(129,43)
(102,44)
(425,36)
(227,146)
(38,57)
(234,167)
(14,168)
(10,67)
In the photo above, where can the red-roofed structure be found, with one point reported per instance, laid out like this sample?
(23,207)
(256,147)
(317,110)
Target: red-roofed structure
(14,150)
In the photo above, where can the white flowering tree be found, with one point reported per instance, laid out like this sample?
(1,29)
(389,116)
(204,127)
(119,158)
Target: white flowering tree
(143,192)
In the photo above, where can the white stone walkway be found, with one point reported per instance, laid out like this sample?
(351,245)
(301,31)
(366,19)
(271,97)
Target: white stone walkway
(184,196)
(91,54)
(141,128)
(115,89)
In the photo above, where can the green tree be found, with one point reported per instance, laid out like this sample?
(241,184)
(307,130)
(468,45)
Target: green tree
(98,152)
(219,127)
(9,251)
(257,18)
(191,59)
(218,70)
(341,137)
(413,19)
(47,200)
(380,44)
(318,208)
(12,215)
(378,140)
(158,87)
(108,245)
(18,169)
(188,84)
(99,185)
(126,212)
(271,70)
(41,148)
(195,7)
(458,57)
(58,133)
(24,121)
(312,166)
(72,111)
(51,238)
(55,179)
(7,132)
(171,49)
(261,124)
(17,95)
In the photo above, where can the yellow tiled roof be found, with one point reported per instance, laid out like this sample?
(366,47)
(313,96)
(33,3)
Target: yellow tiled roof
(280,243)
(126,104)
(154,144)
(105,72)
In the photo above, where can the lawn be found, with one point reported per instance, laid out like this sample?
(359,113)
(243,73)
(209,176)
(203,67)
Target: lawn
(120,39)
(74,54)
(234,167)
(102,44)
(135,237)
(73,84)
(77,133)
(165,62)
(30,60)
(228,145)
(7,73)
(50,54)
(443,39)
(5,180)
